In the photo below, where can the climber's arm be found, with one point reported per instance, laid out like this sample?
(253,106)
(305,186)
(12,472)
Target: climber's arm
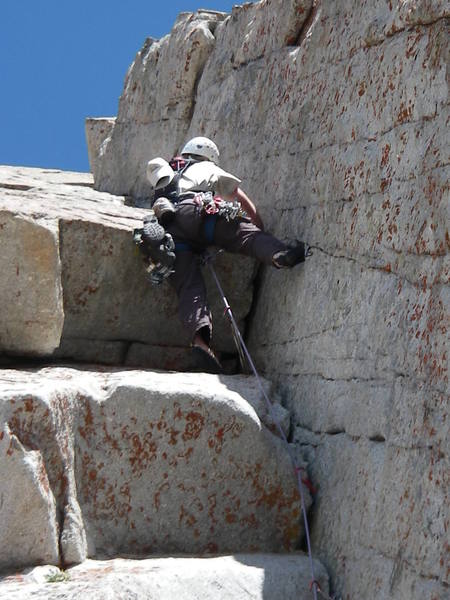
(249,208)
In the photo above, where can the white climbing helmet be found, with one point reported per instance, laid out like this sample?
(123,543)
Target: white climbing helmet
(202,146)
(159,172)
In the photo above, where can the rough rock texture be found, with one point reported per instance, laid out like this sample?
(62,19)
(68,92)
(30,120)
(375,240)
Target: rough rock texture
(28,525)
(152,107)
(139,462)
(74,287)
(249,576)
(335,115)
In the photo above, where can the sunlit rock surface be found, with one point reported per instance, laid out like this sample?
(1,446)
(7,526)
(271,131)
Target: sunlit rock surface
(335,116)
(74,286)
(253,576)
(112,462)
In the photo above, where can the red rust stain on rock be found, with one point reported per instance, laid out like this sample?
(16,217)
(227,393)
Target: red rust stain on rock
(173,436)
(43,478)
(29,404)
(187,517)
(88,428)
(194,426)
(231,518)
(157,497)
(385,155)
(142,452)
(404,113)
(385,183)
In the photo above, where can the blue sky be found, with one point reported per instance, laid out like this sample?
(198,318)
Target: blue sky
(64,60)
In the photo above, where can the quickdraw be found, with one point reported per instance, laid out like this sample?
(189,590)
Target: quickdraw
(216,205)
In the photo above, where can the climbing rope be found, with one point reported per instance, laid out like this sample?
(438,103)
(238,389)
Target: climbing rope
(207,259)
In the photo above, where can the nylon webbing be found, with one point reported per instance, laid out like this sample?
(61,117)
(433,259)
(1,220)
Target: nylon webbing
(315,587)
(209,227)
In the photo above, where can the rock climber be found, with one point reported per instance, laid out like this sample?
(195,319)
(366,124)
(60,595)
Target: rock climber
(197,204)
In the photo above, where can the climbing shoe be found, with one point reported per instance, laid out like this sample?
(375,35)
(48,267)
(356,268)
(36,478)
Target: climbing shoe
(206,361)
(292,256)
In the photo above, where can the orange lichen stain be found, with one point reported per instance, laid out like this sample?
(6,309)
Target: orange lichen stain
(212,548)
(142,452)
(173,435)
(411,51)
(249,520)
(231,518)
(385,155)
(404,114)
(385,183)
(186,517)
(194,426)
(43,478)
(186,454)
(380,235)
(212,503)
(157,496)
(88,422)
(178,413)
(29,404)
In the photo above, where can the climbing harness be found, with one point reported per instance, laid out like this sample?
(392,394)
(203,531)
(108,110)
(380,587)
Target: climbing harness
(213,207)
(207,260)
(216,205)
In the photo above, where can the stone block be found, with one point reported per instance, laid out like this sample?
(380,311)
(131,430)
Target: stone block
(30,294)
(403,489)
(74,284)
(262,576)
(29,527)
(142,462)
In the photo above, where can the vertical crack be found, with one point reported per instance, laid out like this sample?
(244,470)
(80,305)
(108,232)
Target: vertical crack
(307,24)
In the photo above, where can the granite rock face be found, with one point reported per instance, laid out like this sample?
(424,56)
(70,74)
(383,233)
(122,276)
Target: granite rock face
(28,524)
(257,576)
(105,463)
(73,285)
(335,116)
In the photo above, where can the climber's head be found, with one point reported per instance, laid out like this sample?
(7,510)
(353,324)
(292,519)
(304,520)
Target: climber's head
(201,147)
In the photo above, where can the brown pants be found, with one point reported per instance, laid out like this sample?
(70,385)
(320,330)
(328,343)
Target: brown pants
(189,233)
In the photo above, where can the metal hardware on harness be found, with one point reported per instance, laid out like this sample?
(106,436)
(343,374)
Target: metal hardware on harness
(157,273)
(208,257)
(215,205)
(159,259)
